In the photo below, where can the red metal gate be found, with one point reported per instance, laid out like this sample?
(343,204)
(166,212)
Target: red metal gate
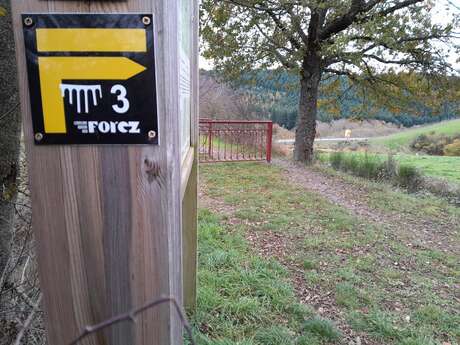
(235,141)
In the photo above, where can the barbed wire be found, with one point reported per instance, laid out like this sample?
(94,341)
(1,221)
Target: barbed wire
(131,316)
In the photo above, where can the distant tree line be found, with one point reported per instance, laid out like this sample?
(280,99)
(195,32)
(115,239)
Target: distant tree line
(275,95)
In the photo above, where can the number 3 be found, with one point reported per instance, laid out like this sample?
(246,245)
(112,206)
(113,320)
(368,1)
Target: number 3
(121,91)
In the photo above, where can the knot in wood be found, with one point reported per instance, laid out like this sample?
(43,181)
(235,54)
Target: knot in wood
(152,169)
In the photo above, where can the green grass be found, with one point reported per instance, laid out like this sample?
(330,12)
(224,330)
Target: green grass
(321,329)
(343,256)
(402,140)
(242,298)
(440,167)
(434,166)
(447,168)
(384,198)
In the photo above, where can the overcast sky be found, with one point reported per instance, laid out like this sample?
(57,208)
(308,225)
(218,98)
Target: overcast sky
(442,12)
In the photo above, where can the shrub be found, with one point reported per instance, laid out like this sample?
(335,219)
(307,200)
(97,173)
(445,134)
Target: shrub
(430,144)
(453,149)
(350,163)
(389,169)
(435,145)
(370,167)
(409,177)
(336,159)
(375,168)
(404,175)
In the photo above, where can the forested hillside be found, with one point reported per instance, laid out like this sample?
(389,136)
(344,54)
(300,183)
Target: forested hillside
(274,95)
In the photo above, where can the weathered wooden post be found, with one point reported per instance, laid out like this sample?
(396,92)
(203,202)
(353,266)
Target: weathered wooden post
(109,104)
(190,145)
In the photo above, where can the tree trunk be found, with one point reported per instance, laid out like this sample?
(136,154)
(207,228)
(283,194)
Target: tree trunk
(9,132)
(308,109)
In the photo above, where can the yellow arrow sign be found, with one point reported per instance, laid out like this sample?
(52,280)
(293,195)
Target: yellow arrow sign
(53,70)
(91,40)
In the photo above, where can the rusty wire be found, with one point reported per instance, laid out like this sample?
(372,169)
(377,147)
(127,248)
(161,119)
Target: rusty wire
(131,316)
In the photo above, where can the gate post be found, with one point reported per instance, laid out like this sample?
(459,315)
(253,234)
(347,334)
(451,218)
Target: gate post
(107,218)
(269,141)
(210,139)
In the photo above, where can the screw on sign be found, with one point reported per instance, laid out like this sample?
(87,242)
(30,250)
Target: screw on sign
(90,85)
(28,21)
(146,20)
(38,136)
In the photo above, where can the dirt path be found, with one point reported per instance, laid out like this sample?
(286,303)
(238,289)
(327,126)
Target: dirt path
(269,244)
(425,232)
(412,229)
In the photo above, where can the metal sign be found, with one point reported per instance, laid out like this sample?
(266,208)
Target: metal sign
(91,78)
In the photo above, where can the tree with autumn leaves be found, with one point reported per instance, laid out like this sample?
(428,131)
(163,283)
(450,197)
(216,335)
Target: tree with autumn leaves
(372,42)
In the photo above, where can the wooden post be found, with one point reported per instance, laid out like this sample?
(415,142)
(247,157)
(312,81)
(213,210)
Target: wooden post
(190,238)
(190,186)
(107,218)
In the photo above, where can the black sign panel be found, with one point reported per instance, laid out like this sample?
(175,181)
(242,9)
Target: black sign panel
(92,78)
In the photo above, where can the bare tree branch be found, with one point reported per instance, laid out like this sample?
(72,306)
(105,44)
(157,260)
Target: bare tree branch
(283,29)
(296,21)
(274,44)
(395,8)
(396,62)
(360,7)
(28,321)
(339,24)
(339,72)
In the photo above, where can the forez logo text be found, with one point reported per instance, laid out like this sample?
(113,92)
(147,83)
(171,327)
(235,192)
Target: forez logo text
(104,127)
(124,127)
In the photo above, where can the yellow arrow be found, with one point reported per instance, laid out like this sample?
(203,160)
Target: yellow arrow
(91,40)
(53,70)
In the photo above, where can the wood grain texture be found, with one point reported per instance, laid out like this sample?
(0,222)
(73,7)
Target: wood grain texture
(108,218)
(186,169)
(190,197)
(190,238)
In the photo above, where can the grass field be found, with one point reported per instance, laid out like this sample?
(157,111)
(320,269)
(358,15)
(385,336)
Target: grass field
(371,278)
(244,299)
(402,140)
(440,167)
(398,144)
(434,166)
